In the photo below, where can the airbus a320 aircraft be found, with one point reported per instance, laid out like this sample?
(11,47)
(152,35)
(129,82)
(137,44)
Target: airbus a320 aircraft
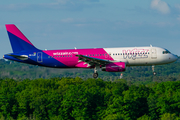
(107,59)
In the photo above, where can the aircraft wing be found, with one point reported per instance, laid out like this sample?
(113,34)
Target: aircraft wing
(92,61)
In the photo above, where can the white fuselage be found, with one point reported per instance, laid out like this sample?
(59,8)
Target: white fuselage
(141,56)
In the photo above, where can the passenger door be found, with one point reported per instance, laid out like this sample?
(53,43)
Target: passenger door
(153,53)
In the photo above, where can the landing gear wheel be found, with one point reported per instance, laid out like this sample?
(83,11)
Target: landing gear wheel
(95,75)
(154,73)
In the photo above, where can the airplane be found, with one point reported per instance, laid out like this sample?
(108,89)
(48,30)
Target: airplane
(106,59)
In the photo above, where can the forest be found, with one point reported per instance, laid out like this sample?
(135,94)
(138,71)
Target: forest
(36,93)
(94,99)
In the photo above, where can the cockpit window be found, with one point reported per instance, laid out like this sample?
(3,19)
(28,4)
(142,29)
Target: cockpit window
(166,52)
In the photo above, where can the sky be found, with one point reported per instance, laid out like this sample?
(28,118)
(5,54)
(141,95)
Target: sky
(65,24)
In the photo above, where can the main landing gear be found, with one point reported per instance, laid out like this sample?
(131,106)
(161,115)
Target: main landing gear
(154,73)
(95,74)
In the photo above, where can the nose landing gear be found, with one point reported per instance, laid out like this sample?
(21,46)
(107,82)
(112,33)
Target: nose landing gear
(154,73)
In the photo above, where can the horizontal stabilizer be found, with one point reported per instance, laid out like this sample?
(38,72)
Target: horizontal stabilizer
(21,57)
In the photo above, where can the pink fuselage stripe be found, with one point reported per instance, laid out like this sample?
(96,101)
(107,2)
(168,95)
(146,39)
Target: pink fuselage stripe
(15,31)
(72,60)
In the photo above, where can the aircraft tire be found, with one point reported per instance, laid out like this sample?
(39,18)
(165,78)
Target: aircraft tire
(95,75)
(154,73)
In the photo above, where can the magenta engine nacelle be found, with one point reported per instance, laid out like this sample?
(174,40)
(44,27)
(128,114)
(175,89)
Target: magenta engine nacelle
(115,67)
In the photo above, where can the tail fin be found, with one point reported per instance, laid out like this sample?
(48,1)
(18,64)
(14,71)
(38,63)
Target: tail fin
(18,41)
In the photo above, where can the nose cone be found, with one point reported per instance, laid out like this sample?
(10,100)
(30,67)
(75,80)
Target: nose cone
(174,58)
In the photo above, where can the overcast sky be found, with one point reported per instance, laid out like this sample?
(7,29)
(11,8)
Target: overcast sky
(65,24)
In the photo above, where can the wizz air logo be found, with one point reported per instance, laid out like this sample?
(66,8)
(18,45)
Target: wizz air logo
(135,53)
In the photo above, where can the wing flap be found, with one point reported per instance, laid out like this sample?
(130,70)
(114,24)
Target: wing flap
(92,61)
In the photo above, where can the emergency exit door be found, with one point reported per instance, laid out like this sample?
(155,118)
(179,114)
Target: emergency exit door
(39,57)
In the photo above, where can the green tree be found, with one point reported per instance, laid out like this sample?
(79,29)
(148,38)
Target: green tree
(135,101)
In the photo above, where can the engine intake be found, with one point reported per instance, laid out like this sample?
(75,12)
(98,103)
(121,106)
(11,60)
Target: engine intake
(115,67)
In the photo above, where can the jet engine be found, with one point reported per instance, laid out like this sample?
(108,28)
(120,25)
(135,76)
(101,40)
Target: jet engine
(115,67)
